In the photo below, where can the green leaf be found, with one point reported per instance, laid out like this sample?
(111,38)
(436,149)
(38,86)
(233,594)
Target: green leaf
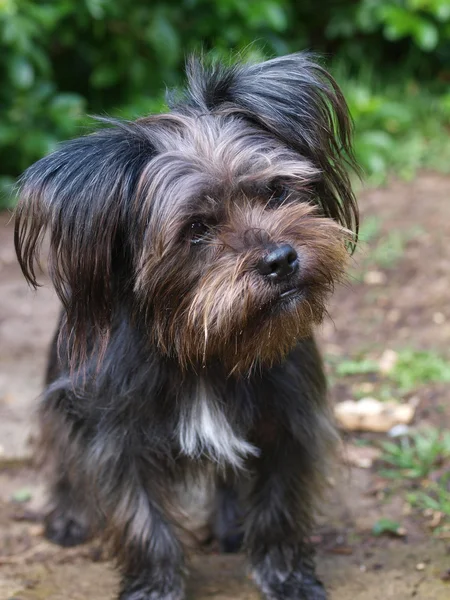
(357,367)
(274,15)
(22,495)
(104,76)
(391,447)
(164,38)
(21,72)
(414,368)
(385,526)
(442,11)
(96,8)
(398,21)
(426,35)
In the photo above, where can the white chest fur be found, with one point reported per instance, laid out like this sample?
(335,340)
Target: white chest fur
(204,430)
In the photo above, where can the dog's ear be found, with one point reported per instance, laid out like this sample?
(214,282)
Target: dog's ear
(81,195)
(297,100)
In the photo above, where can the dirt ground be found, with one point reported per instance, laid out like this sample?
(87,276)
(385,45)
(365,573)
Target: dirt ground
(397,305)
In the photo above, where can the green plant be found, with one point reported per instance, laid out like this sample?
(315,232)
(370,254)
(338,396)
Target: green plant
(60,60)
(416,27)
(435,496)
(386,250)
(416,455)
(386,526)
(409,370)
(390,248)
(421,458)
(357,367)
(413,368)
(400,126)
(64,59)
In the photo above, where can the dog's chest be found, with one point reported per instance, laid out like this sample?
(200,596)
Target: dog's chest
(205,431)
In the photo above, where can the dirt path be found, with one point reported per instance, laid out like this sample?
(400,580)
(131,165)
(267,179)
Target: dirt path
(402,301)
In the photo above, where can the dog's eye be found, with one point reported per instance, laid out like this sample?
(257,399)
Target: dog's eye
(197,231)
(278,197)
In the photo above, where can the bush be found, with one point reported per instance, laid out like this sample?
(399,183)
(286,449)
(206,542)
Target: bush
(413,35)
(62,59)
(399,127)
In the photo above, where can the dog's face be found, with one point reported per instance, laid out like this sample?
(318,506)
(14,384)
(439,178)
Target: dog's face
(223,224)
(237,264)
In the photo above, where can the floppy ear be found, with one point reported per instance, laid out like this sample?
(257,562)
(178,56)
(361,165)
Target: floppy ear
(81,194)
(298,101)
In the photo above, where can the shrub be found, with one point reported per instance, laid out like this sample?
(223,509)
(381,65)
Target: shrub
(62,59)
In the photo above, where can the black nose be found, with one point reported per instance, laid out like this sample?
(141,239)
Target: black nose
(281,262)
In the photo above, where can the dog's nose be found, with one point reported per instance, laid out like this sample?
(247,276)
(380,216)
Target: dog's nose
(281,262)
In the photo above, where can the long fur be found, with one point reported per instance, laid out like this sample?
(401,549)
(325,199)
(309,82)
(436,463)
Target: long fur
(173,352)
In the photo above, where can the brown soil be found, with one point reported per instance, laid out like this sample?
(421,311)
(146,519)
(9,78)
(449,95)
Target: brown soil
(404,304)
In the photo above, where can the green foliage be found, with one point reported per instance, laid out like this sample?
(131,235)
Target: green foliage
(356,367)
(418,367)
(416,455)
(400,126)
(421,24)
(421,457)
(387,250)
(64,59)
(61,59)
(22,495)
(434,496)
(386,526)
(379,250)
(410,370)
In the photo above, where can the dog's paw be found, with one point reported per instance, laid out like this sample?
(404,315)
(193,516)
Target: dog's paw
(144,589)
(296,586)
(65,530)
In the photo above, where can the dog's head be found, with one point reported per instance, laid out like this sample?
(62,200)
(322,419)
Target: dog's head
(222,225)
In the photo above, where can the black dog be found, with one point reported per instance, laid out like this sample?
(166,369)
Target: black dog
(193,253)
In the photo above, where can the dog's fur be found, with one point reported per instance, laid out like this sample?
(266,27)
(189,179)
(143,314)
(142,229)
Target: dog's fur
(176,350)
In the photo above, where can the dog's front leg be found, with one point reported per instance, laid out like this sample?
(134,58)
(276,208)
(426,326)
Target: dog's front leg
(279,523)
(147,551)
(149,555)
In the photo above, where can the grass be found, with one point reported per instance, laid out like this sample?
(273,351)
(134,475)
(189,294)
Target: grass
(419,461)
(386,250)
(414,368)
(390,248)
(421,458)
(434,496)
(416,455)
(410,370)
(362,366)
(384,525)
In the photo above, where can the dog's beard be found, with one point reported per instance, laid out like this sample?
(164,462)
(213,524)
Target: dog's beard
(231,313)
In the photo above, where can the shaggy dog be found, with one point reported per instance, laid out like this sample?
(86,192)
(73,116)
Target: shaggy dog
(193,253)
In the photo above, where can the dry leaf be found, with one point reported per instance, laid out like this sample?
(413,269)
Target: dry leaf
(387,361)
(374,278)
(369,414)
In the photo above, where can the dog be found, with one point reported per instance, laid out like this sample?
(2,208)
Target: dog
(194,253)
